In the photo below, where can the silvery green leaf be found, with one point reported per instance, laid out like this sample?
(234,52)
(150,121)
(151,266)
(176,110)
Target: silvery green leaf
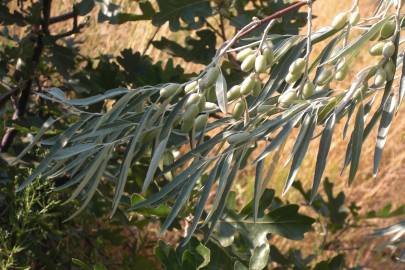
(130,153)
(300,154)
(92,172)
(199,209)
(223,179)
(95,181)
(386,119)
(258,188)
(220,91)
(157,154)
(172,185)
(359,42)
(181,199)
(74,150)
(357,142)
(45,126)
(324,147)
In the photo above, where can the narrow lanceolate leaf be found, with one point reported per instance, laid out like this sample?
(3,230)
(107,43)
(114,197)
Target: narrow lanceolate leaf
(383,129)
(202,201)
(182,198)
(357,142)
(257,189)
(74,150)
(324,147)
(91,172)
(359,42)
(220,91)
(94,184)
(300,154)
(130,153)
(279,139)
(45,126)
(154,163)
(402,84)
(303,131)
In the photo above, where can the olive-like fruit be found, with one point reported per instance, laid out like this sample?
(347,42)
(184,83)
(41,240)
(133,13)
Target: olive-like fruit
(247,85)
(239,109)
(191,112)
(234,93)
(191,87)
(260,63)
(169,90)
(257,88)
(390,69)
(387,30)
(240,56)
(248,64)
(380,77)
(291,78)
(210,77)
(200,122)
(192,99)
(388,49)
(309,89)
(340,20)
(288,98)
(297,67)
(377,49)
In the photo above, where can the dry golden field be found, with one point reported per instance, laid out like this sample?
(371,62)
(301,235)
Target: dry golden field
(368,192)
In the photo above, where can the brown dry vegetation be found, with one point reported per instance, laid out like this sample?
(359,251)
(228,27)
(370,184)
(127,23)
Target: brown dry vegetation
(367,192)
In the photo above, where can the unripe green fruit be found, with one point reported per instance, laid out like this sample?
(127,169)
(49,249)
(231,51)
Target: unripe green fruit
(288,98)
(291,78)
(248,64)
(234,93)
(200,122)
(238,137)
(191,112)
(238,109)
(355,17)
(210,106)
(247,85)
(269,54)
(201,103)
(169,90)
(389,49)
(187,125)
(377,49)
(390,70)
(210,94)
(244,53)
(257,88)
(210,77)
(387,30)
(297,67)
(193,99)
(341,74)
(309,89)
(325,76)
(260,63)
(340,21)
(191,87)
(380,77)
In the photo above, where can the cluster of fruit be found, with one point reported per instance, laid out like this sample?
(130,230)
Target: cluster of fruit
(255,61)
